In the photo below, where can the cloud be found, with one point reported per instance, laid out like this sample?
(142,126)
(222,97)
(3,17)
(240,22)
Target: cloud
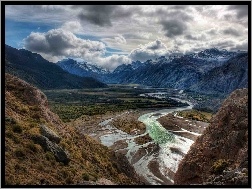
(212,31)
(241,10)
(102,15)
(173,28)
(57,44)
(112,62)
(231,31)
(61,43)
(195,37)
(73,26)
(243,46)
(151,50)
(120,39)
(119,29)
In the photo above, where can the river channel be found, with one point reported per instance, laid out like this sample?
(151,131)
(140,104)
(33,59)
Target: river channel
(157,161)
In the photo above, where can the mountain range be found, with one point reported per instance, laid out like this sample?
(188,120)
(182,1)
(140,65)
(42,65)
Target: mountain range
(34,69)
(211,71)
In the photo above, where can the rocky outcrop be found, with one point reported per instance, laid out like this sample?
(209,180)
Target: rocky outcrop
(50,134)
(60,154)
(222,147)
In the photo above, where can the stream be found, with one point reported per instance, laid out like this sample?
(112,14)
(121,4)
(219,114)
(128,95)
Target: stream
(157,161)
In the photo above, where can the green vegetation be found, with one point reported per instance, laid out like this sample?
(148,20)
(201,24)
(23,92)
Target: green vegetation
(196,115)
(71,104)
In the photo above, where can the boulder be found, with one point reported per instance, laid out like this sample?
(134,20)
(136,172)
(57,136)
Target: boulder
(60,154)
(50,134)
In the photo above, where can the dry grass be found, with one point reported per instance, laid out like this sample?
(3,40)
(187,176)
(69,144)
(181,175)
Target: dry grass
(27,163)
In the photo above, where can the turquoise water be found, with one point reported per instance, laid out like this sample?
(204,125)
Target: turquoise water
(158,133)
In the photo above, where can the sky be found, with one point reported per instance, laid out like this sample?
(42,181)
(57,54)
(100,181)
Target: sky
(111,35)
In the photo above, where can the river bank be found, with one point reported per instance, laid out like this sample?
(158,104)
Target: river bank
(153,149)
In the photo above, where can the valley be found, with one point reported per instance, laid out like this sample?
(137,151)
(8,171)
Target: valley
(126,118)
(142,117)
(125,95)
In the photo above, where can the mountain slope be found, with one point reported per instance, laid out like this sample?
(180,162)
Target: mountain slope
(82,69)
(232,75)
(34,69)
(41,149)
(210,72)
(221,153)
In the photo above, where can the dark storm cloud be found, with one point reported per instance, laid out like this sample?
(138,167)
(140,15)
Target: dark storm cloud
(173,28)
(102,15)
(231,31)
(242,10)
(174,20)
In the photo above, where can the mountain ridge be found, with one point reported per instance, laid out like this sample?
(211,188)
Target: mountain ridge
(34,69)
(220,155)
(193,71)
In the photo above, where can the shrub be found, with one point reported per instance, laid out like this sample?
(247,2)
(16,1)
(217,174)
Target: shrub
(49,156)
(32,147)
(10,120)
(20,153)
(85,176)
(219,166)
(17,128)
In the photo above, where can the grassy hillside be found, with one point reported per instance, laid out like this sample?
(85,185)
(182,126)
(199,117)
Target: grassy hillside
(27,162)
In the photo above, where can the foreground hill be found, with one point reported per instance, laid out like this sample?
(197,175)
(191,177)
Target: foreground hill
(34,69)
(41,149)
(220,155)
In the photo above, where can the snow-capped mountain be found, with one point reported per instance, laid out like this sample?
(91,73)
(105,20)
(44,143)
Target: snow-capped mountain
(191,71)
(206,71)
(82,69)
(213,54)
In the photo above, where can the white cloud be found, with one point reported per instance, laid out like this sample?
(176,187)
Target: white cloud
(151,50)
(123,28)
(57,44)
(72,26)
(111,62)
(120,39)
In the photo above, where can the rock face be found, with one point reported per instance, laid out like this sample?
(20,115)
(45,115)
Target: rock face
(222,148)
